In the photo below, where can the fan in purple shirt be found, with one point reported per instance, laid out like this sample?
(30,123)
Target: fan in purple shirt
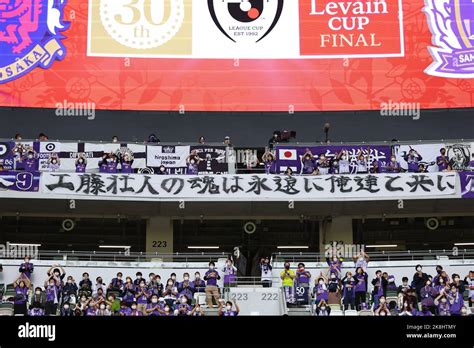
(184,308)
(134,311)
(413,158)
(393,166)
(116,284)
(81,163)
(269,162)
(26,268)
(127,162)
(112,163)
(185,288)
(228,311)
(30,162)
(320,290)
(153,308)
(308,163)
(125,310)
(198,284)
(442,161)
(335,265)
(21,297)
(456,301)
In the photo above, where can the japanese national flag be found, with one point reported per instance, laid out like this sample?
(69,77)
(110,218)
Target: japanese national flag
(287,155)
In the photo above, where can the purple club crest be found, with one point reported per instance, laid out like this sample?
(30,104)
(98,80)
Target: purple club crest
(452,25)
(29,36)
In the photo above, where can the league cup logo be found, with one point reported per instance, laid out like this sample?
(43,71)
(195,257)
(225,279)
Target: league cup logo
(452,25)
(247,20)
(30,36)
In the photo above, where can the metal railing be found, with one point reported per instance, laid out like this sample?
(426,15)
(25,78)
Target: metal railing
(459,254)
(125,256)
(291,143)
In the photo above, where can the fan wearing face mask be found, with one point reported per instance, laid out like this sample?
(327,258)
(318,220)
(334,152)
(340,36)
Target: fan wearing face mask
(185,288)
(320,290)
(153,308)
(212,289)
(419,279)
(230,309)
(170,293)
(382,309)
(287,277)
(322,309)
(469,281)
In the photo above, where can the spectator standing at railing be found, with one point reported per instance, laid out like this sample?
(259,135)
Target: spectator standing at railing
(288,282)
(21,297)
(343,162)
(393,165)
(412,158)
(442,160)
(212,290)
(192,162)
(266,272)
(81,163)
(30,162)
(269,162)
(308,163)
(362,162)
(126,162)
(230,272)
(198,284)
(323,164)
(360,288)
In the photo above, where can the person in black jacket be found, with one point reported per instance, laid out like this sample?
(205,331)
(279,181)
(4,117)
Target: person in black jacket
(380,287)
(419,279)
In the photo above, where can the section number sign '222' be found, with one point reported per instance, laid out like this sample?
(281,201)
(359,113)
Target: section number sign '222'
(246,29)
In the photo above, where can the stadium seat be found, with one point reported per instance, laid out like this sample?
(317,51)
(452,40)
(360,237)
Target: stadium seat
(200,297)
(350,312)
(6,309)
(366,313)
(337,313)
(335,307)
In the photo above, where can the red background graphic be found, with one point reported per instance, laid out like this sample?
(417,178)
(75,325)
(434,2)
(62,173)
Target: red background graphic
(253,85)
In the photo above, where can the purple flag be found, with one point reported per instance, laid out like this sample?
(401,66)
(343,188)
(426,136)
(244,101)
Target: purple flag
(20,181)
(467,184)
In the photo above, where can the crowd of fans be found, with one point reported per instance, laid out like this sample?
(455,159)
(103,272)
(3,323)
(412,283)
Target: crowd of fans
(424,295)
(311,164)
(122,296)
